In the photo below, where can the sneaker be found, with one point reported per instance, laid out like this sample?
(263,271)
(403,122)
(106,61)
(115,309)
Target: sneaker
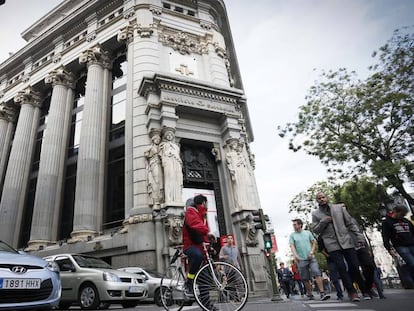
(373,293)
(354,297)
(311,297)
(366,296)
(188,290)
(340,298)
(325,296)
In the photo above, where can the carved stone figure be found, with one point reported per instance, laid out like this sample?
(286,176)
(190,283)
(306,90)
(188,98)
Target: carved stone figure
(154,171)
(174,225)
(173,174)
(241,173)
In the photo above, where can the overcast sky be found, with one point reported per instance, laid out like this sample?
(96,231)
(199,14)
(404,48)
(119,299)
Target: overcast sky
(278,45)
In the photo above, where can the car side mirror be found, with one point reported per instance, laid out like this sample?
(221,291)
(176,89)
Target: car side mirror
(67,267)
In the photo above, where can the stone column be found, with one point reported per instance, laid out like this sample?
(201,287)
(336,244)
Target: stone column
(18,169)
(126,35)
(89,185)
(52,160)
(7,119)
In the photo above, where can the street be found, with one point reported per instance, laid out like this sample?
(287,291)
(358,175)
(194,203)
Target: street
(397,299)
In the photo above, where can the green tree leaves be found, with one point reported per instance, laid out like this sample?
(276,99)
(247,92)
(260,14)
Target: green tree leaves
(363,126)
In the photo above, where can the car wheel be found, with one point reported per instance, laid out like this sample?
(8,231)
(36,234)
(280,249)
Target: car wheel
(157,297)
(89,297)
(129,304)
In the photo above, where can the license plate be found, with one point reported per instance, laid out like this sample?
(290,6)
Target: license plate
(135,289)
(19,283)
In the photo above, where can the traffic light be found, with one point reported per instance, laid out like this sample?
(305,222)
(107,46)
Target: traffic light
(267,238)
(260,219)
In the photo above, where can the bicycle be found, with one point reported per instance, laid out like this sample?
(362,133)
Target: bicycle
(217,285)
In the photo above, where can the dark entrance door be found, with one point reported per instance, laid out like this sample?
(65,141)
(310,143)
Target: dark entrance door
(200,171)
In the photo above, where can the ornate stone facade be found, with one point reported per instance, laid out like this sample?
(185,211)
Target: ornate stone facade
(114,110)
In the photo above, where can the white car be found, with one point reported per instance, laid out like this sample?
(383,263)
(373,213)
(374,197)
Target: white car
(91,282)
(26,281)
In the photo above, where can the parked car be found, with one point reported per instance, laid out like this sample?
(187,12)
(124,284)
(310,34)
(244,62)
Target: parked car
(153,280)
(91,283)
(26,281)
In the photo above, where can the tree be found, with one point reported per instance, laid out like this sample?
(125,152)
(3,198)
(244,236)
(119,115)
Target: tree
(361,127)
(361,196)
(304,202)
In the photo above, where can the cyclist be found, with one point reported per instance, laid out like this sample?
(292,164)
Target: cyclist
(195,232)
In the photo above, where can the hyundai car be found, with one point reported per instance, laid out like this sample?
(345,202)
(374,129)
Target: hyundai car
(27,281)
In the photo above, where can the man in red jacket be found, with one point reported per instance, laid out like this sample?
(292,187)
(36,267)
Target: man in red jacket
(195,232)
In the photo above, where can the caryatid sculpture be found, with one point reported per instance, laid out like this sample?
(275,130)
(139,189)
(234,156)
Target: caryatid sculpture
(155,171)
(241,174)
(173,173)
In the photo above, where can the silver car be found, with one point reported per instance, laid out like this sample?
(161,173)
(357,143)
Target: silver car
(26,281)
(91,283)
(153,280)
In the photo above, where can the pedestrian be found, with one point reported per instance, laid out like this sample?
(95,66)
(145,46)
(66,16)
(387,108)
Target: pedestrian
(398,236)
(297,280)
(333,223)
(333,270)
(378,282)
(230,253)
(196,231)
(285,276)
(303,244)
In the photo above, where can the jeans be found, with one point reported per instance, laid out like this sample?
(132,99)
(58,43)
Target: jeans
(368,267)
(407,253)
(352,274)
(195,258)
(334,276)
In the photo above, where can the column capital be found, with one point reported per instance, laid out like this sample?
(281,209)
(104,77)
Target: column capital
(60,76)
(28,96)
(126,34)
(96,55)
(7,113)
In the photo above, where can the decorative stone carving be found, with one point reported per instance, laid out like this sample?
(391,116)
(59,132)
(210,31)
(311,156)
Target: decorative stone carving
(174,229)
(155,10)
(145,32)
(126,34)
(28,96)
(172,165)
(139,219)
(7,113)
(95,54)
(242,178)
(221,52)
(57,58)
(91,36)
(184,43)
(60,76)
(250,233)
(154,171)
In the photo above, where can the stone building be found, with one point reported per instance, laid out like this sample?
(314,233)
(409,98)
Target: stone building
(111,116)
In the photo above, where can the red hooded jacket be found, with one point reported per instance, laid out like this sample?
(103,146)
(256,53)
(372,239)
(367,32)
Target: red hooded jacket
(195,218)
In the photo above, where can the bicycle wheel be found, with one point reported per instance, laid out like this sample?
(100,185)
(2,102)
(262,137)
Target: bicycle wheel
(172,289)
(220,286)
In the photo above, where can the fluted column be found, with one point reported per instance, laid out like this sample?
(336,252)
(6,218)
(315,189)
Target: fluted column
(89,182)
(126,35)
(18,168)
(52,160)
(7,119)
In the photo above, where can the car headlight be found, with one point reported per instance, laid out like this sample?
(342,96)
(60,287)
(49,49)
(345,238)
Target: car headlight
(108,276)
(52,266)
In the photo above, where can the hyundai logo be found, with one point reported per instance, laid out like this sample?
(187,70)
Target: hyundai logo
(19,269)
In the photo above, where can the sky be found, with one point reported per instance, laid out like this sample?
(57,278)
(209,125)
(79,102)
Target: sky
(281,48)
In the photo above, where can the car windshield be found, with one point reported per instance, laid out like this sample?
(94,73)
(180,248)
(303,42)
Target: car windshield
(155,274)
(91,262)
(7,248)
